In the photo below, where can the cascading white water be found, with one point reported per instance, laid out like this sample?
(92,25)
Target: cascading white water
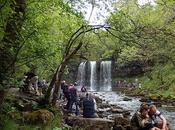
(105,76)
(93,76)
(81,75)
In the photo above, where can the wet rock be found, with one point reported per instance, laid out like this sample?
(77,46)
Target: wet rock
(145,99)
(98,100)
(121,123)
(90,123)
(126,114)
(127,99)
(104,105)
(119,127)
(115,110)
(113,116)
(100,110)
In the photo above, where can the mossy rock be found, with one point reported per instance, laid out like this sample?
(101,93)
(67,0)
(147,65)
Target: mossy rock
(39,116)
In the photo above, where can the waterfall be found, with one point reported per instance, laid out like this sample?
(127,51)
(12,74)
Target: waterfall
(93,75)
(96,77)
(105,76)
(81,74)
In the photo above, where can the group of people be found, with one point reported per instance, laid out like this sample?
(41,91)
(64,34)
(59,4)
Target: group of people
(124,83)
(31,83)
(145,117)
(148,118)
(83,100)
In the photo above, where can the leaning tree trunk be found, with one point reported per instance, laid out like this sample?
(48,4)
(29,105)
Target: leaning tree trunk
(58,76)
(61,72)
(67,56)
(58,82)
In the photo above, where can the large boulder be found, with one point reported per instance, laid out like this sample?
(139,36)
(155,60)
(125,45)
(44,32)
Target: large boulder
(121,123)
(90,123)
(39,116)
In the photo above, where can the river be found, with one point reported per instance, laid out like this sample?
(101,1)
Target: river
(97,75)
(132,105)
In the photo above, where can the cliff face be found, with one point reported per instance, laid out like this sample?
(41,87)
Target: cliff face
(133,68)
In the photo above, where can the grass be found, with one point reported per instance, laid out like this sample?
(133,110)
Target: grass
(159,82)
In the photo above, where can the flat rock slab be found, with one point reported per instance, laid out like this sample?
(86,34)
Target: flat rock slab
(90,123)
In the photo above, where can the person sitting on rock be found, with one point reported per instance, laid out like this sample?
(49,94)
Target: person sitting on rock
(141,119)
(89,107)
(154,115)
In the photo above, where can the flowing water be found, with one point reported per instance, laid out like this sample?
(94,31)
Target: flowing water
(81,73)
(105,76)
(102,87)
(93,76)
(133,105)
(96,76)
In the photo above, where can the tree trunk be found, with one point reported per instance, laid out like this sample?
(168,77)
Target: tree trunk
(68,55)
(10,41)
(47,95)
(61,72)
(58,83)
(2,96)
(58,76)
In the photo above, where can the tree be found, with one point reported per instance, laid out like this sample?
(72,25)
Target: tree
(10,44)
(73,45)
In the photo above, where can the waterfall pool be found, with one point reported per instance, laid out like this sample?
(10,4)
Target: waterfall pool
(132,105)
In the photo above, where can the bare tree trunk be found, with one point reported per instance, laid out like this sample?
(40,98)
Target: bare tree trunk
(61,72)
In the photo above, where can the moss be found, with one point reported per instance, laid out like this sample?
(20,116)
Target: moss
(9,124)
(39,116)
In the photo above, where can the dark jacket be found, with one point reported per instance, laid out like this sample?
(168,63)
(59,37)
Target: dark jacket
(88,107)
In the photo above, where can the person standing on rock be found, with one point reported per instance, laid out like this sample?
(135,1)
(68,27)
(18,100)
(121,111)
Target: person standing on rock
(73,99)
(67,95)
(89,107)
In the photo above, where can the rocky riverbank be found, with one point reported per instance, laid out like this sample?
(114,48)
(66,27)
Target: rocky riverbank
(110,117)
(28,110)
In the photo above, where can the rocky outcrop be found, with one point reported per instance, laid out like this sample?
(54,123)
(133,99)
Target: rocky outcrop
(110,117)
(132,68)
(90,123)
(121,123)
(22,101)
(39,116)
